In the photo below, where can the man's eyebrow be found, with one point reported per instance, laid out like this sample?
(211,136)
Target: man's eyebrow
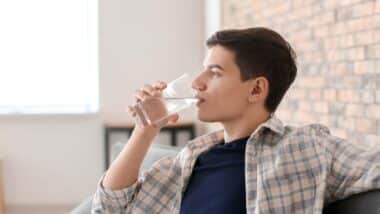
(215,66)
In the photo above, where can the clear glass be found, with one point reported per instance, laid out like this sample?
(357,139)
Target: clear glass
(178,95)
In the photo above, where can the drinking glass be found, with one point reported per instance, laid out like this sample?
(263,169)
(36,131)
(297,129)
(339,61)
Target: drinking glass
(178,95)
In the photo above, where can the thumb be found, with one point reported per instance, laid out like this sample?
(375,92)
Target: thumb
(173,118)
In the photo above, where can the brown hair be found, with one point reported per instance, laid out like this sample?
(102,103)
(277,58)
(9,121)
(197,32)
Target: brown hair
(261,52)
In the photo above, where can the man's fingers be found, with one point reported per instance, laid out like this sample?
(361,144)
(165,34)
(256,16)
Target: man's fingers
(148,89)
(131,111)
(173,118)
(159,85)
(139,96)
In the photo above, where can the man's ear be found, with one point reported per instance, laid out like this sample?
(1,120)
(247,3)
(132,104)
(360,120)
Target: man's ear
(259,89)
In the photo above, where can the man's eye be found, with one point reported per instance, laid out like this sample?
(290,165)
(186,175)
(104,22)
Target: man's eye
(214,72)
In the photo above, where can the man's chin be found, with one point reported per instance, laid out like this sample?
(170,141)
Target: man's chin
(207,119)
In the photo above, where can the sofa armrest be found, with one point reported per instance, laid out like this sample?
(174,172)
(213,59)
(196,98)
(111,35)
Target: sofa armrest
(365,202)
(84,207)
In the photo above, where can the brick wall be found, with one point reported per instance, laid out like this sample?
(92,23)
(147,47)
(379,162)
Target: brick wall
(338,48)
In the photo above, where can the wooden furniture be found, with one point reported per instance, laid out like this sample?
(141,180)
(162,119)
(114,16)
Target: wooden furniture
(172,129)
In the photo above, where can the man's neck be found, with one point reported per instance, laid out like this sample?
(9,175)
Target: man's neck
(243,127)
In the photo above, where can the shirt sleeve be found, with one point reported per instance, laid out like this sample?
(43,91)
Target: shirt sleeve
(353,168)
(119,201)
(112,201)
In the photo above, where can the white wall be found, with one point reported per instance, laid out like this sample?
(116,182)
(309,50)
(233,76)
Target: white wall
(146,41)
(50,159)
(58,159)
(213,18)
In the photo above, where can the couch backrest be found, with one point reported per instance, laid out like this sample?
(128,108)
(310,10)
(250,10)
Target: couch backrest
(155,153)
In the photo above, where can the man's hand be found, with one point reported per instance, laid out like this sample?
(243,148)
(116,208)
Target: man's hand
(151,97)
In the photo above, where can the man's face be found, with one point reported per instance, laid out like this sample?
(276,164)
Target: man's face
(224,97)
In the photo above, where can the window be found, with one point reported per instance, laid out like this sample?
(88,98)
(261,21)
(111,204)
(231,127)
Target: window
(48,56)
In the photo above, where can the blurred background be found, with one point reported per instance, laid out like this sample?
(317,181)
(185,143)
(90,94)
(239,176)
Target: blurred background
(68,70)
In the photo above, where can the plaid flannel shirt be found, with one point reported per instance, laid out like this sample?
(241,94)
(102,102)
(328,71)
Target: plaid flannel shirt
(287,170)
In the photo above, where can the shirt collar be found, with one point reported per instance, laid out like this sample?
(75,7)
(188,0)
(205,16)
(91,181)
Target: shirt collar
(273,124)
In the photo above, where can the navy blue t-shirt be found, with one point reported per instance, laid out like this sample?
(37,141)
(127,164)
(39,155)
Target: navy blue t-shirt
(217,183)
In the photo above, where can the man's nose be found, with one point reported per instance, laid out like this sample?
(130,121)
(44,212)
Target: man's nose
(198,83)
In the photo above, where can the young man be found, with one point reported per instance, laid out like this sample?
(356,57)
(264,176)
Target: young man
(255,164)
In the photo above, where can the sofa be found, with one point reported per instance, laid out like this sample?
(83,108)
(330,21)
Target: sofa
(156,152)
(367,202)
